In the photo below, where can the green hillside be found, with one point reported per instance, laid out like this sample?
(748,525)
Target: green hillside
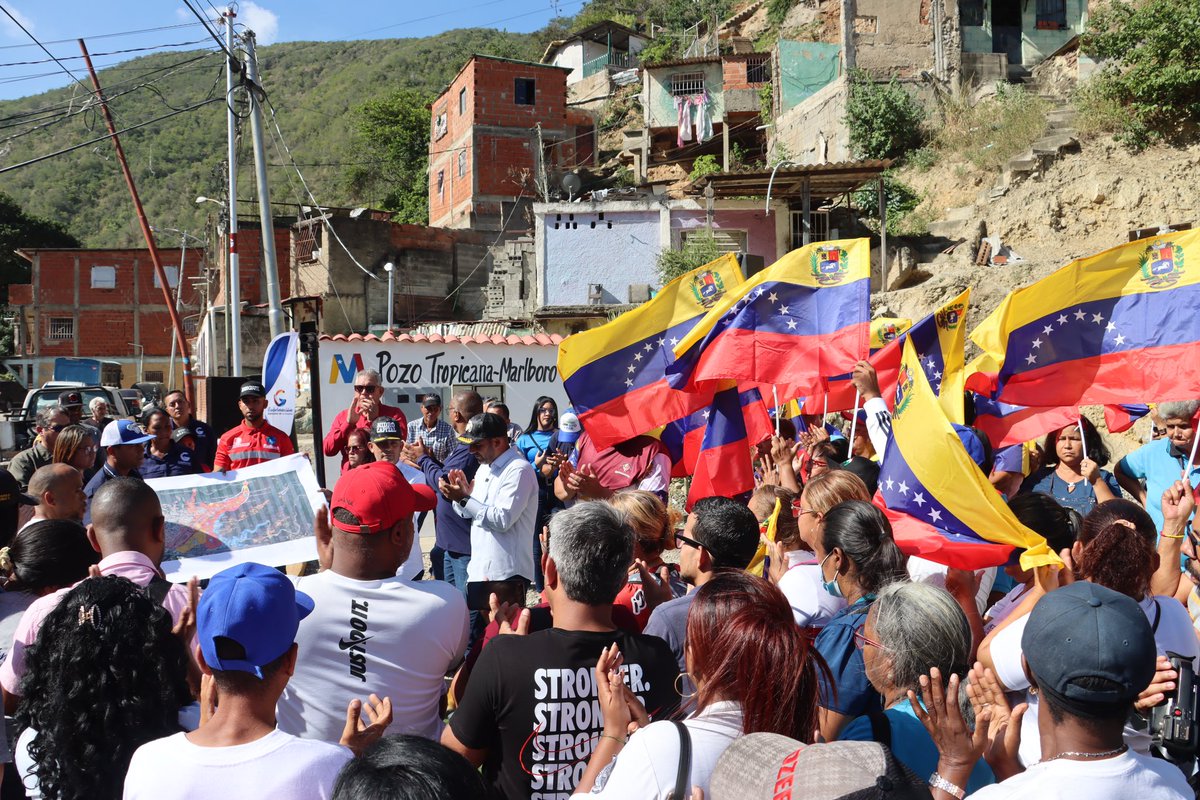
(313,86)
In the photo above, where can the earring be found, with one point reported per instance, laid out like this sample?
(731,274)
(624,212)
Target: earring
(679,686)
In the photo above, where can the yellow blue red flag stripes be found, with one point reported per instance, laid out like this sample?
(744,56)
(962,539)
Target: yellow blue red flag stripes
(1118,325)
(615,375)
(805,316)
(939,339)
(939,503)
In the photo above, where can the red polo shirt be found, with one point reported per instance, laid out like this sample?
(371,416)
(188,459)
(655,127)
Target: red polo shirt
(245,446)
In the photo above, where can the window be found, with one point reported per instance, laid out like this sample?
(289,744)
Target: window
(307,245)
(524,91)
(154,376)
(172,277)
(61,328)
(727,241)
(1051,15)
(441,182)
(462,102)
(440,126)
(970,12)
(462,163)
(758,69)
(104,277)
(685,83)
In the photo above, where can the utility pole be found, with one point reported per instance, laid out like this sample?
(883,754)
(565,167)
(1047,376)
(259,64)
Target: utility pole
(232,283)
(270,266)
(172,311)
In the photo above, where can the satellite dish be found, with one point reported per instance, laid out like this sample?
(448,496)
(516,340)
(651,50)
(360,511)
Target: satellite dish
(571,184)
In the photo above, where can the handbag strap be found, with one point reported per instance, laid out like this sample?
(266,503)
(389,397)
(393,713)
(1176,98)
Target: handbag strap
(683,776)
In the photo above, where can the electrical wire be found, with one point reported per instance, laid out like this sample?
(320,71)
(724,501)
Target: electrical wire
(55,58)
(109,53)
(107,35)
(106,136)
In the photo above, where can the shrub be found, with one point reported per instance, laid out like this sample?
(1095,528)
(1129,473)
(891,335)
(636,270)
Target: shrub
(697,251)
(704,165)
(1154,72)
(777,11)
(884,121)
(901,201)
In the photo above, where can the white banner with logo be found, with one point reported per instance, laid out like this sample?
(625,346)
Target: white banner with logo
(279,376)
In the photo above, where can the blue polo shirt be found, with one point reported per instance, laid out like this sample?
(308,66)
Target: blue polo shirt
(178,461)
(451,532)
(99,479)
(1153,463)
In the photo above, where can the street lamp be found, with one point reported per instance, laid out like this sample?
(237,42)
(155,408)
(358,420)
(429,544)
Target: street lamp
(203,199)
(390,269)
(141,353)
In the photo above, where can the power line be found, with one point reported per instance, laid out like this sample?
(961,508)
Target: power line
(106,35)
(106,136)
(431,16)
(17,22)
(109,53)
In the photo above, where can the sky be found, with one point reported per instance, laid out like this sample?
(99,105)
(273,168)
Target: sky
(52,21)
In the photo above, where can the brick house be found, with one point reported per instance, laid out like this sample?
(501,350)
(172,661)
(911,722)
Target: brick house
(484,155)
(99,303)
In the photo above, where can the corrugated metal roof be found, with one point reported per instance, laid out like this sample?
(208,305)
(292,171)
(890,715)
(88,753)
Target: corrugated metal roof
(539,339)
(682,62)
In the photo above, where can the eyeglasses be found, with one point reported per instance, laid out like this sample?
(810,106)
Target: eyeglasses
(689,541)
(365,388)
(799,510)
(861,640)
(57,428)
(1160,431)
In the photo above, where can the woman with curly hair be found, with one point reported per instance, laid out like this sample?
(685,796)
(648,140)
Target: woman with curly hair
(653,526)
(105,676)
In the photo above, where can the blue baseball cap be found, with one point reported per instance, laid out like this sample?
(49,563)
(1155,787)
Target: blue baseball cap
(255,606)
(971,443)
(123,431)
(1085,630)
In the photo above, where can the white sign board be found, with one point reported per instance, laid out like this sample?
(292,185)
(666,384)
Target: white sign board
(516,373)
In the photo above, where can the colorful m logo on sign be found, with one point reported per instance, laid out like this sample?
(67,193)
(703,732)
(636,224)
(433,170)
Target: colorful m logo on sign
(339,367)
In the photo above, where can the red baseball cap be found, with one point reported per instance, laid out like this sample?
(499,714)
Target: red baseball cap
(379,496)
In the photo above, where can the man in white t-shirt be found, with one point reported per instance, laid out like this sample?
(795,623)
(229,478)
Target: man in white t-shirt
(372,630)
(1089,652)
(387,443)
(246,624)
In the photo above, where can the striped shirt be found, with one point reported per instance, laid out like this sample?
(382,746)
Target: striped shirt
(245,446)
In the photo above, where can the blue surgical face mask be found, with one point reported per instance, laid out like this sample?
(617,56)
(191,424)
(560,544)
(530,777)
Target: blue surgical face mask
(830,586)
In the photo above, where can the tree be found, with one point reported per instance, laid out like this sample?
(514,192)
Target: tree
(393,138)
(883,119)
(699,249)
(18,229)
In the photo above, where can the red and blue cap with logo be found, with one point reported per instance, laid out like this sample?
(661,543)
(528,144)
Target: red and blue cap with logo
(255,606)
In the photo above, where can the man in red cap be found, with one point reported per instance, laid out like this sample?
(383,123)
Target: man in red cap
(372,631)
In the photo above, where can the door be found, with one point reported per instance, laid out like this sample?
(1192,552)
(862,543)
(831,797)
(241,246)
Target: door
(1006,29)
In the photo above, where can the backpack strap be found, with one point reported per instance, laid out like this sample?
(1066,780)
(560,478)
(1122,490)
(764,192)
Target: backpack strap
(158,588)
(683,776)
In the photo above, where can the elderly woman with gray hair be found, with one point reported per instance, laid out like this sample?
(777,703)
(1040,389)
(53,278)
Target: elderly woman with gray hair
(911,628)
(1158,464)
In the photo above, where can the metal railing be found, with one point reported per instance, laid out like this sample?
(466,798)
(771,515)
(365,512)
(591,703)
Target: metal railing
(615,62)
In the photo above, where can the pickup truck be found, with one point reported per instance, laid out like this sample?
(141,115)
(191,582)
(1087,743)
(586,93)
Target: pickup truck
(37,399)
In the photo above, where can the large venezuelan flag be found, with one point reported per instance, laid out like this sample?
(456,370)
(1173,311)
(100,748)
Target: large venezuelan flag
(684,438)
(1108,328)
(940,504)
(615,374)
(723,467)
(805,316)
(939,338)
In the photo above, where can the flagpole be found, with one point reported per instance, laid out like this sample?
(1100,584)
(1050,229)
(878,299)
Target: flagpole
(775,400)
(1188,466)
(853,426)
(1082,438)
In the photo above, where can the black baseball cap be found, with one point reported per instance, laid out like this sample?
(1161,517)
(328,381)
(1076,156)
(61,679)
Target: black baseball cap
(70,399)
(432,401)
(484,426)
(179,434)
(11,494)
(385,428)
(253,389)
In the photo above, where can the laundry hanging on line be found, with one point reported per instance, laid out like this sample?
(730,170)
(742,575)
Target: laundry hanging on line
(692,112)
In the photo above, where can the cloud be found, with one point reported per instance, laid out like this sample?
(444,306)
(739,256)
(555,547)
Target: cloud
(10,29)
(264,22)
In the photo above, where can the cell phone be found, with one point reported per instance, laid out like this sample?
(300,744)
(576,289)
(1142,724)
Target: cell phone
(566,448)
(508,591)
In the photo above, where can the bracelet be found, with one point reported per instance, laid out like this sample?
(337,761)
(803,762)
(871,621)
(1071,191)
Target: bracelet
(1166,535)
(614,738)
(938,782)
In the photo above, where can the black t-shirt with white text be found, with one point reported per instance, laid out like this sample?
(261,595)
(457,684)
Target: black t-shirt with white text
(532,704)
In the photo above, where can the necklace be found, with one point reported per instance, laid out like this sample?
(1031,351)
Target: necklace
(1116,751)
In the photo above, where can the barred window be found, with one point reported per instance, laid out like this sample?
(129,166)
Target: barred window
(758,69)
(61,329)
(685,83)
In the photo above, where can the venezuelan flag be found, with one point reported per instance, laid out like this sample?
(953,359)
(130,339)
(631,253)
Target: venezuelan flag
(939,339)
(1120,417)
(885,330)
(684,438)
(805,316)
(940,504)
(723,466)
(615,375)
(1007,424)
(1102,329)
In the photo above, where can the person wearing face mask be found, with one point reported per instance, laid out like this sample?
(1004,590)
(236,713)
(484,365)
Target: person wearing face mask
(1072,472)
(857,557)
(1161,462)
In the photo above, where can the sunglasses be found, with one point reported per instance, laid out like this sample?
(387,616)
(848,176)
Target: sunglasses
(57,428)
(689,541)
(861,640)
(357,447)
(365,388)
